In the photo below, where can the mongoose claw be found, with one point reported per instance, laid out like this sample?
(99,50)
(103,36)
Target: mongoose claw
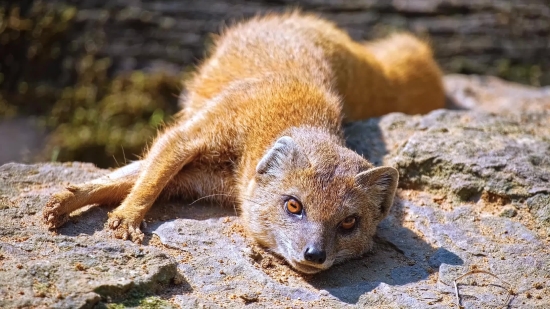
(125,229)
(52,213)
(114,224)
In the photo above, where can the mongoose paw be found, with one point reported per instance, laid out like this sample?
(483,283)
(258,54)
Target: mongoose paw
(55,212)
(125,228)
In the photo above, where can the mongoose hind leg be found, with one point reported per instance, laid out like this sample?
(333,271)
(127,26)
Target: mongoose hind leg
(109,189)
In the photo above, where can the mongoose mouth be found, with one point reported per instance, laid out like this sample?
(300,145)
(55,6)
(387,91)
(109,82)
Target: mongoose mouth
(306,268)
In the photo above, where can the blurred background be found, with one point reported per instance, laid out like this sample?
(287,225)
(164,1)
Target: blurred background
(92,80)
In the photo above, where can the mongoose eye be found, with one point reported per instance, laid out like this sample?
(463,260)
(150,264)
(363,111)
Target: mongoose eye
(293,206)
(348,223)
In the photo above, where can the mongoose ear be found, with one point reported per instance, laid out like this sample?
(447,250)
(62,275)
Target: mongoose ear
(284,153)
(380,184)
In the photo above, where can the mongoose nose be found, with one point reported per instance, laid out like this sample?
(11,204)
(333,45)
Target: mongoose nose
(315,255)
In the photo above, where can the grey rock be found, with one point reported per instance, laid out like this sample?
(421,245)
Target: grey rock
(539,206)
(470,155)
(508,211)
(483,243)
(493,95)
(442,256)
(467,155)
(80,266)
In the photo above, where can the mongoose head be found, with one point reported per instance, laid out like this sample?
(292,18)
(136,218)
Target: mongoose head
(315,202)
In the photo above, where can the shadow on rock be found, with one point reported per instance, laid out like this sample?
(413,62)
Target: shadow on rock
(366,139)
(94,218)
(399,257)
(452,103)
(88,221)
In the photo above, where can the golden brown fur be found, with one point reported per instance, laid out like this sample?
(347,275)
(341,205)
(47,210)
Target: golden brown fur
(261,124)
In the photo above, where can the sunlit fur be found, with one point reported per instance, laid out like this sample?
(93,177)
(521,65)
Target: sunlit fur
(291,76)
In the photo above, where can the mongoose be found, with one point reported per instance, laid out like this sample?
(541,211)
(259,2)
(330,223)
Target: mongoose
(261,128)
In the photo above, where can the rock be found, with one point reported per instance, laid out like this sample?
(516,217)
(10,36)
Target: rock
(539,206)
(493,95)
(80,266)
(473,207)
(508,212)
(467,155)
(473,155)
(470,153)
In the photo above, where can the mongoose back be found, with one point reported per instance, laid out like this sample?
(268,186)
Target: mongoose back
(261,128)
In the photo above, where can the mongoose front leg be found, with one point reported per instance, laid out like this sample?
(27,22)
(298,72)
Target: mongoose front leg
(109,189)
(173,150)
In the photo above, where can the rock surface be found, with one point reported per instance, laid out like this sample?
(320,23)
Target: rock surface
(473,206)
(77,267)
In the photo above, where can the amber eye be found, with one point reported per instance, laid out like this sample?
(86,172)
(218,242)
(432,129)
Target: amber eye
(293,206)
(348,223)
